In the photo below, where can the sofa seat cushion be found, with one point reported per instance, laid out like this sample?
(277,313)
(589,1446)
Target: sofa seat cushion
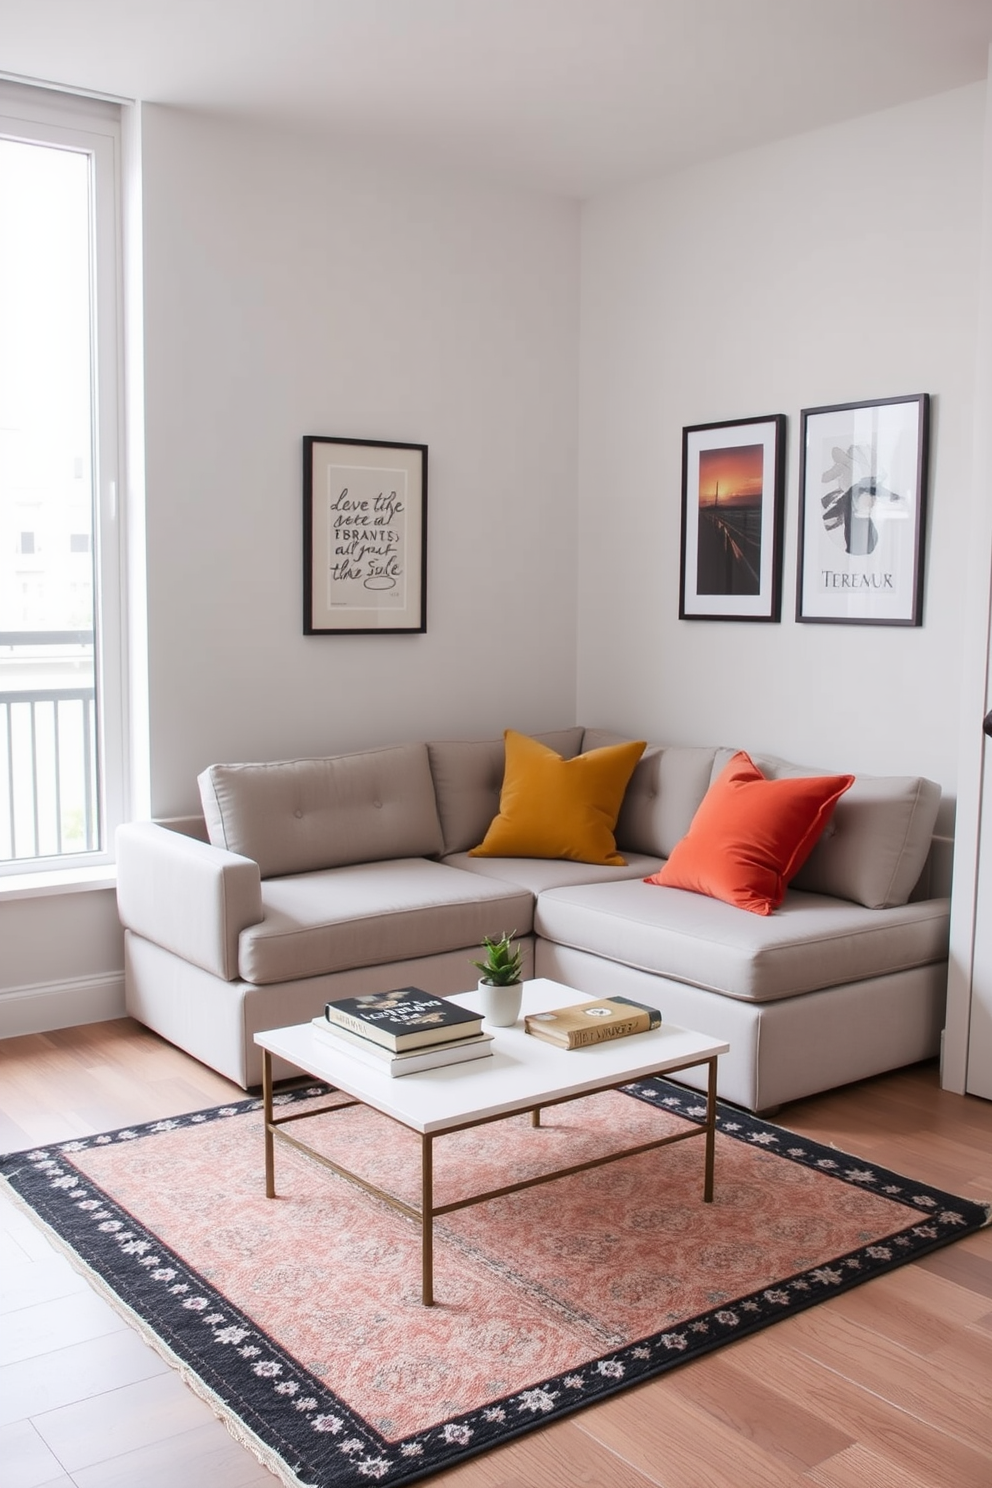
(370,913)
(537,874)
(812,941)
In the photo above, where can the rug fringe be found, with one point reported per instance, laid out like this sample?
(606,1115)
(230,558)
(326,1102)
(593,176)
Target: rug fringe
(244,1438)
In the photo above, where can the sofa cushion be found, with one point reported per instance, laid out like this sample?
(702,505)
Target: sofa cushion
(296,816)
(367,914)
(751,835)
(468,777)
(664,793)
(551,807)
(537,874)
(876,845)
(812,942)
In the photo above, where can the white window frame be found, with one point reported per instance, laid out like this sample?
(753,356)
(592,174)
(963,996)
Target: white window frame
(93,127)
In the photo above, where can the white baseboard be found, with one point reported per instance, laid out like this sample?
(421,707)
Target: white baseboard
(48,1005)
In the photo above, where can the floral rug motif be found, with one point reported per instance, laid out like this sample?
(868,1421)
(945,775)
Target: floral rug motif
(299,1318)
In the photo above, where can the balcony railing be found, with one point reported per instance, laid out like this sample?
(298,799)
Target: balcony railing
(48,749)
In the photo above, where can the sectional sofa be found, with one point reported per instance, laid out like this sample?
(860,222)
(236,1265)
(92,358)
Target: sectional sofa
(311,879)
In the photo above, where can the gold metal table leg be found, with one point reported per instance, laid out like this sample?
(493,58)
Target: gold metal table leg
(428,1210)
(710,1131)
(270,1164)
(427,1219)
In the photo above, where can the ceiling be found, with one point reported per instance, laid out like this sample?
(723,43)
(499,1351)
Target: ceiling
(568,96)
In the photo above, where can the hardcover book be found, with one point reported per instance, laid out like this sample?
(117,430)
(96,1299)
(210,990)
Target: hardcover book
(403,1019)
(593,1022)
(455,1051)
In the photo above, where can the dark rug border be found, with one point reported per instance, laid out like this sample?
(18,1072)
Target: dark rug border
(298,1426)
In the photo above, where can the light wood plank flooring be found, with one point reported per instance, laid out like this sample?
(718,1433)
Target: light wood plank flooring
(888,1386)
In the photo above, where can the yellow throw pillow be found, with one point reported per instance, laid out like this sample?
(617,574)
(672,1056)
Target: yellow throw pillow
(551,807)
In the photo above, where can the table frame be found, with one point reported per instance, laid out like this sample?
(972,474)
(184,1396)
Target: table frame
(429,1211)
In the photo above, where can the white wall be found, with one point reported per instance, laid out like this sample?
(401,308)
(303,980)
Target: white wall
(62,961)
(292,288)
(836,266)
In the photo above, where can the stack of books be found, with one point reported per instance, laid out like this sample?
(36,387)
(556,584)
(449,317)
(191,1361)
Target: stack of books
(403,1031)
(592,1022)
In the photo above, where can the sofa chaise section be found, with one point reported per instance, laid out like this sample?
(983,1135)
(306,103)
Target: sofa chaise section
(820,993)
(846,979)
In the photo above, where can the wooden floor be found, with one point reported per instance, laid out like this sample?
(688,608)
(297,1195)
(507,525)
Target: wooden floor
(887,1386)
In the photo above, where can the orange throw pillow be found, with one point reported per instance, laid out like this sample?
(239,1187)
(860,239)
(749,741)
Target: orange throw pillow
(750,835)
(551,807)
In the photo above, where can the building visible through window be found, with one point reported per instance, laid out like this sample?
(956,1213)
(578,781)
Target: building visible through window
(60,763)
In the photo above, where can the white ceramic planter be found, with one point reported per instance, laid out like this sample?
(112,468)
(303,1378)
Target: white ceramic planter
(500,1005)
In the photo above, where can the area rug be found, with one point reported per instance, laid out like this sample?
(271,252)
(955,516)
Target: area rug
(299,1318)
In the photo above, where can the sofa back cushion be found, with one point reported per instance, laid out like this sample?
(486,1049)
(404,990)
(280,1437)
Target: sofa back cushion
(468,777)
(751,835)
(876,844)
(298,816)
(664,794)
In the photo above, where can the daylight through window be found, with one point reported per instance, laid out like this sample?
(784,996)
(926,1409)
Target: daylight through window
(60,756)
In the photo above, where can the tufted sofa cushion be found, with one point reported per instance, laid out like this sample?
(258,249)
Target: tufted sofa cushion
(877,842)
(872,852)
(468,777)
(664,794)
(297,816)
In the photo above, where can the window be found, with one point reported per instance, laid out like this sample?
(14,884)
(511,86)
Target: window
(61,704)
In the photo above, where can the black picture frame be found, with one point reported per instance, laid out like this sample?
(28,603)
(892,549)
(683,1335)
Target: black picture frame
(863,484)
(731,556)
(364,536)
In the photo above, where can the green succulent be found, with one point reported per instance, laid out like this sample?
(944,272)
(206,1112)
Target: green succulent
(501,967)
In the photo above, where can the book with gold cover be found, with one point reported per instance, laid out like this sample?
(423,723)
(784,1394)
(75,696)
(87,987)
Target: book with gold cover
(593,1022)
(405,1018)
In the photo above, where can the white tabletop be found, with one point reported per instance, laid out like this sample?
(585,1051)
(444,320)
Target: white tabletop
(522,1072)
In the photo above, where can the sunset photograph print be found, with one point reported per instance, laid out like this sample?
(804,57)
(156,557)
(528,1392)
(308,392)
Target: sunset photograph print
(728,553)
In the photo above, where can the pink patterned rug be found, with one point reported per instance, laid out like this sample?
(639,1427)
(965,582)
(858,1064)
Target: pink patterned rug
(300,1317)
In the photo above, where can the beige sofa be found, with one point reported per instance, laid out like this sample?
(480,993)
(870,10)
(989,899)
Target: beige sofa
(312,879)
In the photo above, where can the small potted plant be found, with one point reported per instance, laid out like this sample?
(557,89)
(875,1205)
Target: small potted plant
(500,988)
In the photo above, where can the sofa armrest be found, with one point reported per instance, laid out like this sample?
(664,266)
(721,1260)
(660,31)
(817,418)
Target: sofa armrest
(186,896)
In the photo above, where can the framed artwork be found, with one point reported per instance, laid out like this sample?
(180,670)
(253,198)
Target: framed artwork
(364,536)
(863,489)
(733,485)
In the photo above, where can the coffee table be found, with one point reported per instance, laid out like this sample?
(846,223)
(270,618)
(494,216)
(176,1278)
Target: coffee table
(523,1074)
